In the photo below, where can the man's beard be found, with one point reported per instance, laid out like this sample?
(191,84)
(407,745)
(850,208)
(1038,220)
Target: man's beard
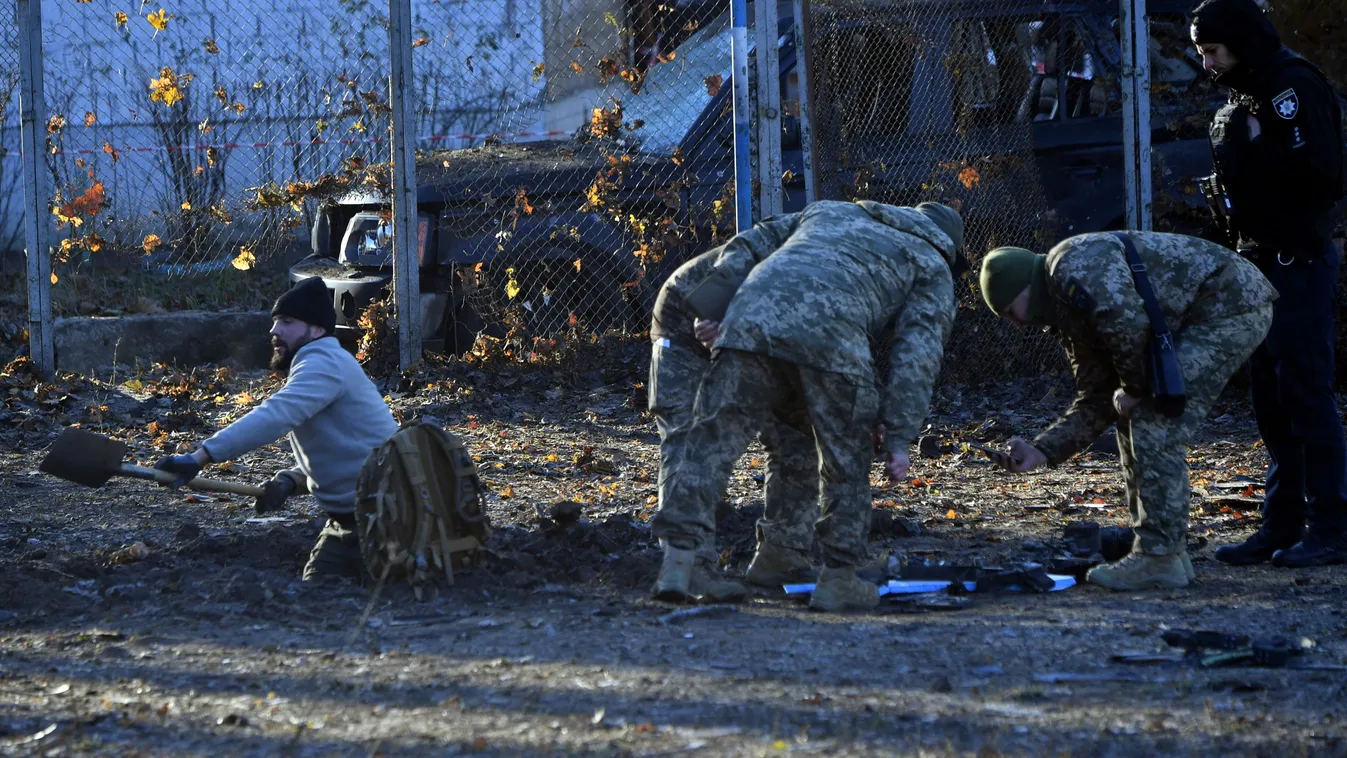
(282,355)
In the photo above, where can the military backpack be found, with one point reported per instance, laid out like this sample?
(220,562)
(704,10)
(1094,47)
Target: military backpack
(419,508)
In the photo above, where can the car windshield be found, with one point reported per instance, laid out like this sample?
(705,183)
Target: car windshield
(676,91)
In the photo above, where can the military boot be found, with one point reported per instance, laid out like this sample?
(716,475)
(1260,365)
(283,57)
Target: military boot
(711,586)
(839,589)
(674,583)
(1139,571)
(337,552)
(775,565)
(685,578)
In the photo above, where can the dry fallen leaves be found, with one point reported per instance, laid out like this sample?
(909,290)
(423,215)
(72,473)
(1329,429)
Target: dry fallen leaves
(244,260)
(151,243)
(158,20)
(168,88)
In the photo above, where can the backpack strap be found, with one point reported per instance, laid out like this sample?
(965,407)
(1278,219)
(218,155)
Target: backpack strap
(464,472)
(385,510)
(465,477)
(416,476)
(1143,285)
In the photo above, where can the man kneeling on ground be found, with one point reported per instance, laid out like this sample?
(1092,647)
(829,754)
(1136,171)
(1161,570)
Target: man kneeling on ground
(331,411)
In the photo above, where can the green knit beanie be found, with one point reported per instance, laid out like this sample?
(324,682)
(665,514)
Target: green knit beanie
(946,218)
(1006,271)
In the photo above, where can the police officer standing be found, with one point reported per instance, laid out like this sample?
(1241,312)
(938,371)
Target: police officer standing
(1278,147)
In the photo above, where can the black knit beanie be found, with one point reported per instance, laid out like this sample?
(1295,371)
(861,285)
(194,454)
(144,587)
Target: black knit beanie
(1240,25)
(310,302)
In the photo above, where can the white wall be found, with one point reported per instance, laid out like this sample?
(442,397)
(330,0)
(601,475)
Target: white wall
(474,76)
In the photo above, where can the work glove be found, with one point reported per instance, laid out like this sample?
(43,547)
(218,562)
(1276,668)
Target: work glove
(184,467)
(274,494)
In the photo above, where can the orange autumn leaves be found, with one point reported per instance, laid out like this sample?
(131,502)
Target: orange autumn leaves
(84,205)
(169,87)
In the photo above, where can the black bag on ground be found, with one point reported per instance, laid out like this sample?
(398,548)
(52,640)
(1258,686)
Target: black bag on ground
(1166,377)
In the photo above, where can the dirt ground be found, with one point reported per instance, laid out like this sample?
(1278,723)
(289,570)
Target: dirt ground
(206,643)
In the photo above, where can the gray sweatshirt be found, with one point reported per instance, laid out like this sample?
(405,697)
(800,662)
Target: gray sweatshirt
(333,415)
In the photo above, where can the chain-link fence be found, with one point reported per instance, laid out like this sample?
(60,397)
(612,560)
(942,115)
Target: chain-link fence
(13,296)
(936,101)
(188,143)
(571,153)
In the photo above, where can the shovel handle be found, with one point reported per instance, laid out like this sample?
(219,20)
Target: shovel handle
(209,485)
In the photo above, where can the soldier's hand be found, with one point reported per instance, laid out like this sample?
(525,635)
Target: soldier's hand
(1025,457)
(274,494)
(185,467)
(706,332)
(896,465)
(1124,403)
(1255,128)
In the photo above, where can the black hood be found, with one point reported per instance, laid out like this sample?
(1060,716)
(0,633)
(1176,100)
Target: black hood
(1241,26)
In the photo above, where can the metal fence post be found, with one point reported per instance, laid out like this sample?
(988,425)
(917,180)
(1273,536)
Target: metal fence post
(406,263)
(769,108)
(743,170)
(804,34)
(37,216)
(1136,88)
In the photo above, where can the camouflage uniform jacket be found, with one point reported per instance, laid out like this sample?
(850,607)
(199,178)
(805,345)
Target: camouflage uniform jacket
(1094,307)
(672,319)
(847,272)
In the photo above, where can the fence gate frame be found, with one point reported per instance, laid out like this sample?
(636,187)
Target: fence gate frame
(406,236)
(36,194)
(1136,101)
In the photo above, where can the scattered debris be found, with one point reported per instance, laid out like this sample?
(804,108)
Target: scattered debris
(701,611)
(1209,648)
(37,736)
(1086,538)
(132,553)
(1066,678)
(931,446)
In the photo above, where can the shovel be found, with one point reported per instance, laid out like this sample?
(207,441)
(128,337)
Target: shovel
(92,459)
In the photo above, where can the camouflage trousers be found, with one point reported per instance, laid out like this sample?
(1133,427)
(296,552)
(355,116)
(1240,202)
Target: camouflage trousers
(1154,448)
(791,487)
(741,394)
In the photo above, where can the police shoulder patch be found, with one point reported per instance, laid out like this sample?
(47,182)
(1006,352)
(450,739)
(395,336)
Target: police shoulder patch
(1287,104)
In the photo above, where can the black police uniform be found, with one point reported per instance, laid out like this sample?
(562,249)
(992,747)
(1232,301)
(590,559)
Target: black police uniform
(1283,185)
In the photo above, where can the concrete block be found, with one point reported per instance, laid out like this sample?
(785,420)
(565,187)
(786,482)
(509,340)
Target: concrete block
(187,338)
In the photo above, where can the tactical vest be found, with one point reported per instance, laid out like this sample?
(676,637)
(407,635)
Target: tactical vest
(1229,131)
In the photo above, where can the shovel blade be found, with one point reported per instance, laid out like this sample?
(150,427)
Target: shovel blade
(84,458)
